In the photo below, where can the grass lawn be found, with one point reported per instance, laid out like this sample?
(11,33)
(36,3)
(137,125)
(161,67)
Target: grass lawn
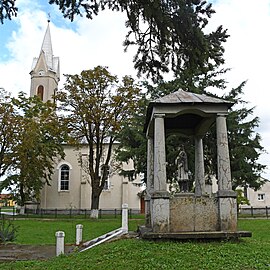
(248,253)
(7,209)
(42,231)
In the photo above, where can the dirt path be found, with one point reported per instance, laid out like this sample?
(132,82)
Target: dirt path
(11,252)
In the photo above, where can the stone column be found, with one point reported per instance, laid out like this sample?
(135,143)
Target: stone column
(159,204)
(150,179)
(223,158)
(159,154)
(150,164)
(199,167)
(226,196)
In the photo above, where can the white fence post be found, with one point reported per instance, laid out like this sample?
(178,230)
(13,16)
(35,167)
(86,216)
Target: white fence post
(79,229)
(125,218)
(60,243)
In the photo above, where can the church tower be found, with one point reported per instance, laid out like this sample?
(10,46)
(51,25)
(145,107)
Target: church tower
(45,71)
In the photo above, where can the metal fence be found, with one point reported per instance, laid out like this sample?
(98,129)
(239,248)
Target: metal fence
(254,212)
(66,213)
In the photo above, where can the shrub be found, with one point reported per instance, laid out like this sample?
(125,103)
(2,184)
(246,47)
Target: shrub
(8,231)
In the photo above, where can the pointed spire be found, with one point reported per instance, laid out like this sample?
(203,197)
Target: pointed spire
(47,47)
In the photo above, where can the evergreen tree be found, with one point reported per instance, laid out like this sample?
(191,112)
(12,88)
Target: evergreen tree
(244,142)
(7,10)
(133,144)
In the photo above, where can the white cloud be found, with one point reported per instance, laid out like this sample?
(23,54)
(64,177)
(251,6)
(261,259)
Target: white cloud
(94,42)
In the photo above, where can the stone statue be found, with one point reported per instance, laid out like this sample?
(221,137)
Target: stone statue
(182,175)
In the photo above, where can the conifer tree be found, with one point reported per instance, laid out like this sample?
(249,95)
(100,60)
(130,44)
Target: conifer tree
(244,142)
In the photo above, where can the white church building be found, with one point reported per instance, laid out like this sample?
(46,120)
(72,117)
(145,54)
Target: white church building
(70,187)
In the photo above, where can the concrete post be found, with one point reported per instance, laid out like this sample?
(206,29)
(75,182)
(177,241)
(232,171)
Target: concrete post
(159,154)
(60,243)
(79,230)
(125,218)
(199,167)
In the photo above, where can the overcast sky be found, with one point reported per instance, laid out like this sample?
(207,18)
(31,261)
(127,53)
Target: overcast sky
(85,44)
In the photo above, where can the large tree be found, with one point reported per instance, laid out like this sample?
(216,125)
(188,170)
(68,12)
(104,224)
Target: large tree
(9,126)
(244,142)
(169,35)
(96,106)
(38,143)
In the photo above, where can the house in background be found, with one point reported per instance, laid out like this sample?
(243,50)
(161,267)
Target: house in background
(259,198)
(70,186)
(6,200)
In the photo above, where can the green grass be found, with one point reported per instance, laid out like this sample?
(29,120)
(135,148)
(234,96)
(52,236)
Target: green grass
(248,253)
(6,209)
(35,232)
(42,231)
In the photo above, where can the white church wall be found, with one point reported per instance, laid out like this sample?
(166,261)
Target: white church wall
(79,194)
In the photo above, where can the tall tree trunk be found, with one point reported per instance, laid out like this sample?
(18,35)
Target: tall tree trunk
(22,197)
(95,201)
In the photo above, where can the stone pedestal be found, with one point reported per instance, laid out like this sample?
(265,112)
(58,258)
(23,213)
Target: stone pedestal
(160,212)
(189,213)
(227,208)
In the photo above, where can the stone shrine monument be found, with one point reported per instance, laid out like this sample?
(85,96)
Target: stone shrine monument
(188,215)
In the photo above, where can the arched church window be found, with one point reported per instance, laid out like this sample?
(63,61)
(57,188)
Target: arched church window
(40,91)
(64,177)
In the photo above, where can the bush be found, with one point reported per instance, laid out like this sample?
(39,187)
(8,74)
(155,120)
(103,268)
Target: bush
(8,231)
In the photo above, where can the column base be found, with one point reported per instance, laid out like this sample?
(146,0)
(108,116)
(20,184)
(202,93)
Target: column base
(160,211)
(227,207)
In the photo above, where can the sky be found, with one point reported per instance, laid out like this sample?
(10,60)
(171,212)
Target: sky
(84,44)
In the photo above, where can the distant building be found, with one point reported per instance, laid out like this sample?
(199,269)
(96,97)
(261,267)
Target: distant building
(257,199)
(6,200)
(70,186)
(260,197)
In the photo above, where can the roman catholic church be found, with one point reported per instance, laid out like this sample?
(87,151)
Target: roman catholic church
(70,186)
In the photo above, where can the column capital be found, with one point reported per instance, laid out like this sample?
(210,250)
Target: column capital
(159,115)
(222,114)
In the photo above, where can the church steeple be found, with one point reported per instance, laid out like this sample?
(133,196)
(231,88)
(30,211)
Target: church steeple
(45,71)
(47,47)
